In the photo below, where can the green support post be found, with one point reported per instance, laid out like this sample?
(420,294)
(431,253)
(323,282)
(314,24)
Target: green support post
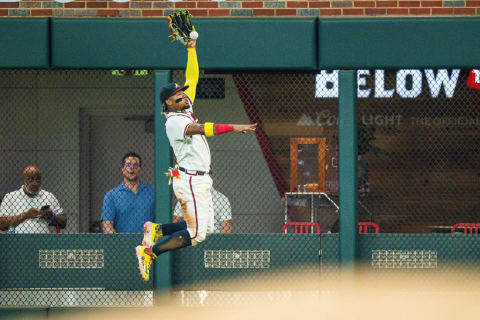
(347,114)
(162,281)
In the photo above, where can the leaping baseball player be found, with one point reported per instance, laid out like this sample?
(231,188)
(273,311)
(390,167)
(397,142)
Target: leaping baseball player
(192,183)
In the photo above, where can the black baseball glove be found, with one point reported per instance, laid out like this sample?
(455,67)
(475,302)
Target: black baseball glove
(181,28)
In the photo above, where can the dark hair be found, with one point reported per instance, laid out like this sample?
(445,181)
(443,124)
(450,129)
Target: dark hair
(131,154)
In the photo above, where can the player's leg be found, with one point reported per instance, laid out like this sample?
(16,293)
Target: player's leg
(201,187)
(193,193)
(146,255)
(153,231)
(185,190)
(186,198)
(199,211)
(195,197)
(174,241)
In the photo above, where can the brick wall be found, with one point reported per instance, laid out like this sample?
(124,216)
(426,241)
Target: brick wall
(252,8)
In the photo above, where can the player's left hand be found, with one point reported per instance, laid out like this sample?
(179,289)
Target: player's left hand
(181,28)
(243,128)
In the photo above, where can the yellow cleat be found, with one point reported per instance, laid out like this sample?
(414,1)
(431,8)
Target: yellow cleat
(151,233)
(145,258)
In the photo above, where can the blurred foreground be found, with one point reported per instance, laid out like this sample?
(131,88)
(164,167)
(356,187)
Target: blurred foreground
(369,295)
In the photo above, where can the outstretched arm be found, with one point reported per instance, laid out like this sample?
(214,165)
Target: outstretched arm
(192,72)
(210,129)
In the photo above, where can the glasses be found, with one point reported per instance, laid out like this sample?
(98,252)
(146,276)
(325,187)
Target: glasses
(34,179)
(132,165)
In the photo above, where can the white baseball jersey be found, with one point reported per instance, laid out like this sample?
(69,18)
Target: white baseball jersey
(16,202)
(192,152)
(192,190)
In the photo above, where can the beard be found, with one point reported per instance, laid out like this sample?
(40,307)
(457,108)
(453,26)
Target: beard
(30,191)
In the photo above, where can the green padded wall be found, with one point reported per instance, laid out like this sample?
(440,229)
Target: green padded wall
(223,44)
(301,253)
(427,252)
(22,268)
(267,44)
(330,253)
(258,43)
(296,252)
(448,250)
(24,43)
(399,43)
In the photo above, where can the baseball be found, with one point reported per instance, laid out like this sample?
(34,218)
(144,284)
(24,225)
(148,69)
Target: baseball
(194,35)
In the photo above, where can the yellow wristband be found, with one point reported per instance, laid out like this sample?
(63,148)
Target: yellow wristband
(208,127)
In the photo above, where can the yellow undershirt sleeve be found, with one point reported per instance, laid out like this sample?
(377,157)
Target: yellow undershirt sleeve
(192,73)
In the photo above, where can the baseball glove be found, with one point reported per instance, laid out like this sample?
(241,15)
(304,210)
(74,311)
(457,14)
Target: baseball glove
(181,28)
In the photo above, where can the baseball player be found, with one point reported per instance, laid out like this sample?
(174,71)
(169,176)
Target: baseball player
(192,185)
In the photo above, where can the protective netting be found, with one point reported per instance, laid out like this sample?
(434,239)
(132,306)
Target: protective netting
(75,126)
(284,173)
(417,173)
(70,129)
(410,122)
(418,149)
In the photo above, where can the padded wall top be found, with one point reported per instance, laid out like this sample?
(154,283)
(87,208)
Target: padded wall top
(398,43)
(243,44)
(223,44)
(24,43)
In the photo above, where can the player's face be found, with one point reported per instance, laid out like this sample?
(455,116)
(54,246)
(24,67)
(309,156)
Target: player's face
(178,101)
(131,169)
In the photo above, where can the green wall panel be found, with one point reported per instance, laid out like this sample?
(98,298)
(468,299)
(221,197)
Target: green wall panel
(296,252)
(223,44)
(252,43)
(24,43)
(330,251)
(458,250)
(192,267)
(258,43)
(21,267)
(399,43)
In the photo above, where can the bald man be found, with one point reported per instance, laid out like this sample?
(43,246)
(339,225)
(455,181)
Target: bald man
(31,209)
